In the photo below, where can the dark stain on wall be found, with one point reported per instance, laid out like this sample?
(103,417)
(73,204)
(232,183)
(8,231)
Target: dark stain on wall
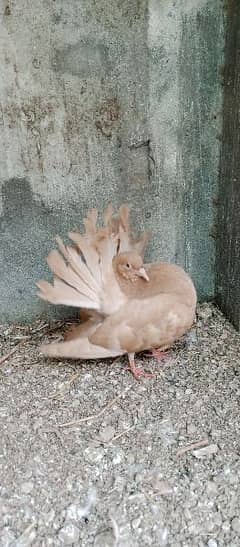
(27,229)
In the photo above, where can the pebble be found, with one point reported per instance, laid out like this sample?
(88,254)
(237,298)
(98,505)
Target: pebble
(162,536)
(69,534)
(226,526)
(27,487)
(166,432)
(94,454)
(105,539)
(161,487)
(131,459)
(136,523)
(72,512)
(77,512)
(191,338)
(7,537)
(205,312)
(117,458)
(206,451)
(212,543)
(49,517)
(236,524)
(107,434)
(212,488)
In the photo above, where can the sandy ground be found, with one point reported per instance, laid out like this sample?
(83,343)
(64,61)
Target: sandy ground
(90,456)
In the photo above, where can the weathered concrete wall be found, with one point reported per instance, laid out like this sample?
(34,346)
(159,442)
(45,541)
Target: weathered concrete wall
(228,241)
(107,100)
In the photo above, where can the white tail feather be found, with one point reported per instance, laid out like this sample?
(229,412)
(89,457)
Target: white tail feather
(67,274)
(74,259)
(60,293)
(90,254)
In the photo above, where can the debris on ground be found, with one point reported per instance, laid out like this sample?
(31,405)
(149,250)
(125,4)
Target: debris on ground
(91,457)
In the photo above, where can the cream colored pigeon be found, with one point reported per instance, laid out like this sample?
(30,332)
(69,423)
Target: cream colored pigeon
(131,307)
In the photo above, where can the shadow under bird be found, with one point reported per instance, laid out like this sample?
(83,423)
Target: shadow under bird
(128,306)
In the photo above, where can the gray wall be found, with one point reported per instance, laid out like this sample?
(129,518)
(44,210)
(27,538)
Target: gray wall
(228,241)
(107,101)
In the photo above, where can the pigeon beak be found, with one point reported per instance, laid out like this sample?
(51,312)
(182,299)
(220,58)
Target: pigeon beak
(142,273)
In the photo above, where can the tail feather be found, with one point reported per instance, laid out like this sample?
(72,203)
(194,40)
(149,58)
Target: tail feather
(90,254)
(79,348)
(127,241)
(141,244)
(124,212)
(90,222)
(108,215)
(61,293)
(67,274)
(74,259)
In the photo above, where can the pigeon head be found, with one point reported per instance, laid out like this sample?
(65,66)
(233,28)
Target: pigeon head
(130,266)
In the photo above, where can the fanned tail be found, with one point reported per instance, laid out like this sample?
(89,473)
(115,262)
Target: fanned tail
(82,272)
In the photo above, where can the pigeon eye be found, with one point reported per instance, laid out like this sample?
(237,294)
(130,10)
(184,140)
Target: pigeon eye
(128,265)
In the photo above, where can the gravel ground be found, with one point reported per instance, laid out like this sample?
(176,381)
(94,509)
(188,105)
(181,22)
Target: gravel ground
(91,457)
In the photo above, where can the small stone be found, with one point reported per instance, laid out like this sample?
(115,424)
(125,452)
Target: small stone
(131,459)
(212,488)
(107,434)
(136,523)
(166,432)
(69,534)
(226,526)
(233,479)
(77,512)
(117,458)
(7,537)
(94,454)
(191,338)
(105,539)
(161,487)
(27,487)
(212,543)
(236,524)
(206,451)
(209,525)
(205,312)
(163,536)
(72,512)
(49,517)
(191,429)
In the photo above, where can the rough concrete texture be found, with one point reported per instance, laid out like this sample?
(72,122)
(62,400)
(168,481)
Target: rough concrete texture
(107,100)
(154,463)
(228,240)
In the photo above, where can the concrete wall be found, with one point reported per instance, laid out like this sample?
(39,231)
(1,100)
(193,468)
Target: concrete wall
(228,241)
(107,101)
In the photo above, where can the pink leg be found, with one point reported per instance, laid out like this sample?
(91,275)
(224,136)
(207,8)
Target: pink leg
(138,373)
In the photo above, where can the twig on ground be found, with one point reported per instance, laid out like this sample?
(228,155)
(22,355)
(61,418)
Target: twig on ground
(116,530)
(12,351)
(119,435)
(49,329)
(94,416)
(192,446)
